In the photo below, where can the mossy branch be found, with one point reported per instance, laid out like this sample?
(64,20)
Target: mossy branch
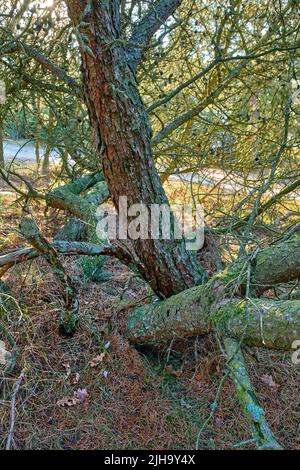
(263,436)
(69,314)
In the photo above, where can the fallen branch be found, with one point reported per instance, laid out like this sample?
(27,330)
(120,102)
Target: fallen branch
(263,436)
(69,314)
(203,309)
(63,247)
(13,410)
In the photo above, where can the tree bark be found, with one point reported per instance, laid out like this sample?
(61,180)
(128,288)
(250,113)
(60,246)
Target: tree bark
(210,307)
(123,138)
(204,309)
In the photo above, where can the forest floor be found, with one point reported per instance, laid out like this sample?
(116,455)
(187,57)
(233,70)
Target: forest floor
(96,391)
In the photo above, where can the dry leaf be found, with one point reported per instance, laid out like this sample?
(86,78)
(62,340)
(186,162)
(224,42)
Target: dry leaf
(79,396)
(219,421)
(97,360)
(268,380)
(75,378)
(4,354)
(68,370)
(68,401)
(176,373)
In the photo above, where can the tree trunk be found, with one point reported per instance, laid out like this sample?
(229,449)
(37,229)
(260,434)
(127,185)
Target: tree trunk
(204,309)
(123,137)
(37,111)
(46,159)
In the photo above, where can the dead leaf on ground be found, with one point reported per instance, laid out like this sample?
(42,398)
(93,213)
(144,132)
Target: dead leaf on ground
(4,354)
(79,396)
(68,401)
(75,378)
(68,370)
(97,360)
(176,373)
(268,380)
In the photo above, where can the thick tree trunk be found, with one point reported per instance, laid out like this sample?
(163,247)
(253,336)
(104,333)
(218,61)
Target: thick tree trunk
(204,309)
(123,136)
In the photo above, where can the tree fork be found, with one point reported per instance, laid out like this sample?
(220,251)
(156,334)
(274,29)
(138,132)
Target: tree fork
(123,133)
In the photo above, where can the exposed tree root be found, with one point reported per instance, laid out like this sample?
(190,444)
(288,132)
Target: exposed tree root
(247,397)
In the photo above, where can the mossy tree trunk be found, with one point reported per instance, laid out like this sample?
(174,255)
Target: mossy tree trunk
(221,304)
(123,140)
(123,136)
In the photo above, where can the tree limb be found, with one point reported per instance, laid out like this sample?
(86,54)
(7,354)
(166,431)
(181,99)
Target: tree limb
(210,307)
(263,436)
(63,247)
(147,27)
(53,68)
(69,314)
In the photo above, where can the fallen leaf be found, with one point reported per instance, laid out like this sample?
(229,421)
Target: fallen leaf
(219,421)
(97,360)
(75,378)
(68,401)
(79,396)
(268,380)
(4,354)
(176,373)
(68,370)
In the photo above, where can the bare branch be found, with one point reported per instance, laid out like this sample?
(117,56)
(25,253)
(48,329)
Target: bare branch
(13,410)
(148,26)
(66,248)
(53,68)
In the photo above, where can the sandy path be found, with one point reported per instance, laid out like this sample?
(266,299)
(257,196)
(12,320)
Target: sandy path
(23,151)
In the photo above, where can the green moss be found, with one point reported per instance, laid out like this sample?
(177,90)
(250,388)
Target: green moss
(92,268)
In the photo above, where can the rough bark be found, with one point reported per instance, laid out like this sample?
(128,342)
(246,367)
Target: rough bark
(1,147)
(147,27)
(121,125)
(277,263)
(199,310)
(207,308)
